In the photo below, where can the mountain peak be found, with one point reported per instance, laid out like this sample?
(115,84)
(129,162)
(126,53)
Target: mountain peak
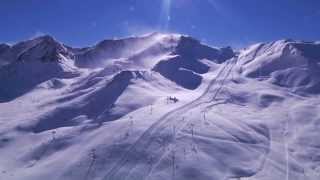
(189,46)
(45,38)
(44,48)
(4,45)
(307,49)
(3,48)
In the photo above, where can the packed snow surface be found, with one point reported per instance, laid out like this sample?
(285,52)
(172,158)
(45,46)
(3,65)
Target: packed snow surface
(159,106)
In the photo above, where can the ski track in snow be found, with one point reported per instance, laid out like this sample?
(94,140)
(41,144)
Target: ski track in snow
(168,120)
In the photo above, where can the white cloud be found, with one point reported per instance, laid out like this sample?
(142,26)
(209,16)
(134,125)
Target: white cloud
(137,29)
(10,43)
(37,34)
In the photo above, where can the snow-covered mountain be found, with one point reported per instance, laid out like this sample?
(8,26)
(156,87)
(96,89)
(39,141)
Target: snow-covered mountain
(31,63)
(286,63)
(159,106)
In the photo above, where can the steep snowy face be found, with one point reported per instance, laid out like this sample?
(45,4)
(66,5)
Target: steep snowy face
(185,67)
(45,49)
(134,47)
(4,47)
(309,50)
(287,63)
(192,48)
(31,63)
(4,50)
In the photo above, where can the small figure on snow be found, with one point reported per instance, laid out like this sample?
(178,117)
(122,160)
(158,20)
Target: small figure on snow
(172,99)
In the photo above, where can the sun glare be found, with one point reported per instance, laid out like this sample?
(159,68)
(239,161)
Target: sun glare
(165,15)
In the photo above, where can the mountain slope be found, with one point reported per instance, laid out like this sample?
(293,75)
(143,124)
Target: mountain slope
(184,68)
(153,107)
(33,62)
(291,64)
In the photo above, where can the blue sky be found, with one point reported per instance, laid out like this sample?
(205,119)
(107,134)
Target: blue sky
(216,22)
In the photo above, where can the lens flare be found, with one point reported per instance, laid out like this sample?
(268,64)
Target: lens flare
(165,17)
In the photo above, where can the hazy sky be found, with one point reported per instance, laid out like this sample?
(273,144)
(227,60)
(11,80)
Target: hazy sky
(216,22)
